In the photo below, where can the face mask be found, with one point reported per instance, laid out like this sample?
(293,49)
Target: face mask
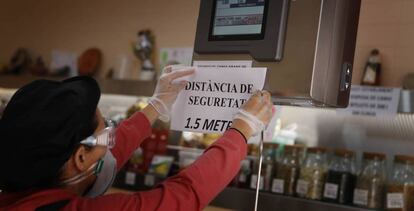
(105,171)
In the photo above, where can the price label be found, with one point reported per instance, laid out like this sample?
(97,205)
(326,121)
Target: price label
(278,186)
(361,197)
(395,201)
(130,178)
(302,187)
(331,191)
(242,178)
(253,182)
(149,180)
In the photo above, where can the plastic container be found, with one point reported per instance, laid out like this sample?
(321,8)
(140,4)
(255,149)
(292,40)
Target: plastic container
(312,174)
(287,170)
(341,178)
(400,191)
(371,182)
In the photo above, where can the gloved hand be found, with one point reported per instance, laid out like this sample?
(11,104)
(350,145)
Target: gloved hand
(256,113)
(166,92)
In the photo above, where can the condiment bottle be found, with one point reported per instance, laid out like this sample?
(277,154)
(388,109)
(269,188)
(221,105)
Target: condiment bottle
(400,193)
(372,71)
(269,151)
(287,170)
(341,178)
(369,191)
(312,174)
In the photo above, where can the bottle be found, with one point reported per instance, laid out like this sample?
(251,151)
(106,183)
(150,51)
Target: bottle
(400,193)
(287,171)
(341,178)
(369,191)
(372,71)
(243,178)
(269,151)
(312,174)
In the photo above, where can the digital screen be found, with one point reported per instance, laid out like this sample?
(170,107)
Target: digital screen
(238,17)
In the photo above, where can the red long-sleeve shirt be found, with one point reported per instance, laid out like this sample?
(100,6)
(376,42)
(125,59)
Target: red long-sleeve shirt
(192,189)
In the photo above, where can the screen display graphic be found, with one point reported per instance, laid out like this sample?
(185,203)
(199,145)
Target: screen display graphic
(238,17)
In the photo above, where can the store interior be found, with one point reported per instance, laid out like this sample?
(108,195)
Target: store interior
(308,146)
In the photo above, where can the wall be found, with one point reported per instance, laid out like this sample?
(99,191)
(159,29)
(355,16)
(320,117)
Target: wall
(389,26)
(75,25)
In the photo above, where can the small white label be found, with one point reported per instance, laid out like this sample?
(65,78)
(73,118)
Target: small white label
(302,187)
(278,186)
(130,178)
(361,197)
(395,200)
(370,75)
(253,182)
(242,178)
(149,180)
(331,191)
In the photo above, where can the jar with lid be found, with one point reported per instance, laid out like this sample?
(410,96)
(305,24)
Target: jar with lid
(312,174)
(370,187)
(269,151)
(341,178)
(287,171)
(400,193)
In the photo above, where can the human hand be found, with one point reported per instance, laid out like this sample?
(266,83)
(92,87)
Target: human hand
(255,114)
(166,92)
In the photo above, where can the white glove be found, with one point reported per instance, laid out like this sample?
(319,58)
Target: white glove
(257,112)
(166,92)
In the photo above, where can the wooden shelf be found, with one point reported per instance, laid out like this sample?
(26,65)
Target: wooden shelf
(108,86)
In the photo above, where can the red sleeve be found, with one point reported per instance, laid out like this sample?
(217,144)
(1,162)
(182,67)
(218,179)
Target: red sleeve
(191,189)
(129,135)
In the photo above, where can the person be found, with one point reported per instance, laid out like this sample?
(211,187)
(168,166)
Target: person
(57,153)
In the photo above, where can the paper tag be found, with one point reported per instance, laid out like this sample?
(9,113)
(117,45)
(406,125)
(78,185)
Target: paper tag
(395,200)
(361,197)
(370,76)
(149,180)
(253,182)
(302,187)
(130,178)
(278,186)
(242,177)
(331,191)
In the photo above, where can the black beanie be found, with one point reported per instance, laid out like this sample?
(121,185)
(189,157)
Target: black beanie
(40,128)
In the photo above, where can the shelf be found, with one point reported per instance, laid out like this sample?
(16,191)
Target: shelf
(108,86)
(242,199)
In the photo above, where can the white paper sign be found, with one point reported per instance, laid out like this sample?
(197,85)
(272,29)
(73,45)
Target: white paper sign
(223,64)
(212,98)
(372,101)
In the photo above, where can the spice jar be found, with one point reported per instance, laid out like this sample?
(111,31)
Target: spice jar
(269,151)
(369,191)
(287,171)
(312,174)
(341,178)
(400,193)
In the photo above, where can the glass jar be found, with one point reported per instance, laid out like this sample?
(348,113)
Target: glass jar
(341,178)
(312,174)
(287,170)
(400,194)
(269,151)
(369,190)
